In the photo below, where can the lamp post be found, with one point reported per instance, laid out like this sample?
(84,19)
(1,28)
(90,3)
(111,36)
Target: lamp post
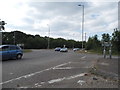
(73,41)
(14,37)
(82,24)
(48,36)
(85,40)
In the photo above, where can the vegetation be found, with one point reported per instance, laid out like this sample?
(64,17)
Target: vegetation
(27,50)
(38,42)
(95,45)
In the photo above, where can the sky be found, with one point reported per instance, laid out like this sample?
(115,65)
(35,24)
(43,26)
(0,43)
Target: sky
(62,18)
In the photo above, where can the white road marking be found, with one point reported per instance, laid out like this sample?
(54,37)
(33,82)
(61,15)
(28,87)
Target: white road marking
(63,68)
(36,84)
(83,57)
(42,82)
(61,65)
(56,80)
(75,76)
(66,78)
(32,74)
(11,73)
(81,82)
(22,87)
(106,64)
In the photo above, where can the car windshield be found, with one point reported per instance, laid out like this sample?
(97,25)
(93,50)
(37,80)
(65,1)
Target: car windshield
(64,48)
(58,47)
(1,46)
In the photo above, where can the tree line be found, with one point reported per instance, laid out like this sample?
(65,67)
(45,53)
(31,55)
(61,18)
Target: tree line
(95,44)
(39,42)
(36,41)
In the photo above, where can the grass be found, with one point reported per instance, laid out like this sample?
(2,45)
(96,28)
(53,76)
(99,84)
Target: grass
(27,50)
(100,52)
(91,51)
(95,52)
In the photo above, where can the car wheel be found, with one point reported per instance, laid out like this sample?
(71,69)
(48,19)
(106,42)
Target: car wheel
(19,56)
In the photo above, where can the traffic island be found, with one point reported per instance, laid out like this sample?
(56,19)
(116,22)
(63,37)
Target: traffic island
(106,68)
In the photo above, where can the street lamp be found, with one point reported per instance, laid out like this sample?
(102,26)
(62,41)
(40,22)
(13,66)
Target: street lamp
(14,37)
(48,36)
(82,24)
(73,41)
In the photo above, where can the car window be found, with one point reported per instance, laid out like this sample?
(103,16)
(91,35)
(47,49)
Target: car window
(18,48)
(12,48)
(5,48)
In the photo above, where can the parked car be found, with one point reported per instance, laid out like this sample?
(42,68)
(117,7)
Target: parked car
(76,49)
(10,52)
(63,50)
(57,49)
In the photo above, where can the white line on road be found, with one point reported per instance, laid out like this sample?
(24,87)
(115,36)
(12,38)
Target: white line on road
(32,74)
(83,57)
(81,82)
(66,78)
(63,68)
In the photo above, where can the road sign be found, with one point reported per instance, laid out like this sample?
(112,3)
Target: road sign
(107,44)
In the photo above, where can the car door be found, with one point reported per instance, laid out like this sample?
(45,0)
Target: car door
(12,51)
(5,52)
(0,53)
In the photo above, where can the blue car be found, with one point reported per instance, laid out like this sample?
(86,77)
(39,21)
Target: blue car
(57,49)
(10,52)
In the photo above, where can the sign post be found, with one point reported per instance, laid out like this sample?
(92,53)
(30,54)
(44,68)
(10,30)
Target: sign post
(104,52)
(105,45)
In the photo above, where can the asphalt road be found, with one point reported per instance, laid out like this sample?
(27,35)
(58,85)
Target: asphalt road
(50,69)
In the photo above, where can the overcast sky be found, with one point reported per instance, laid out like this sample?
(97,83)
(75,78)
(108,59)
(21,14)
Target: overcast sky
(63,18)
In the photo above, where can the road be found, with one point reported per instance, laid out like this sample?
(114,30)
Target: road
(50,69)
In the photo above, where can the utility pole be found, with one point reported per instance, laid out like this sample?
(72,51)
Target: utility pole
(85,40)
(48,36)
(85,37)
(14,37)
(73,40)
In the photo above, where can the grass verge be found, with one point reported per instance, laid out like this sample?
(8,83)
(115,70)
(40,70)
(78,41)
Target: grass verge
(27,50)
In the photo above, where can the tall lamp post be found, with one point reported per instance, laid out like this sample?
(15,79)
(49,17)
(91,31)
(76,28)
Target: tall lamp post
(82,24)
(14,36)
(48,36)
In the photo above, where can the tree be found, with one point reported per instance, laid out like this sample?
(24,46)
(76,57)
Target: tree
(93,43)
(116,40)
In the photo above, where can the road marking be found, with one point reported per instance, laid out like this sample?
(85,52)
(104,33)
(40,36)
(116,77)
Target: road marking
(83,57)
(66,78)
(81,82)
(106,64)
(62,65)
(75,76)
(32,74)
(11,73)
(63,68)
(56,80)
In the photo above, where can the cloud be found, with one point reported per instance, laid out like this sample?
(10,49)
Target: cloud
(63,18)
